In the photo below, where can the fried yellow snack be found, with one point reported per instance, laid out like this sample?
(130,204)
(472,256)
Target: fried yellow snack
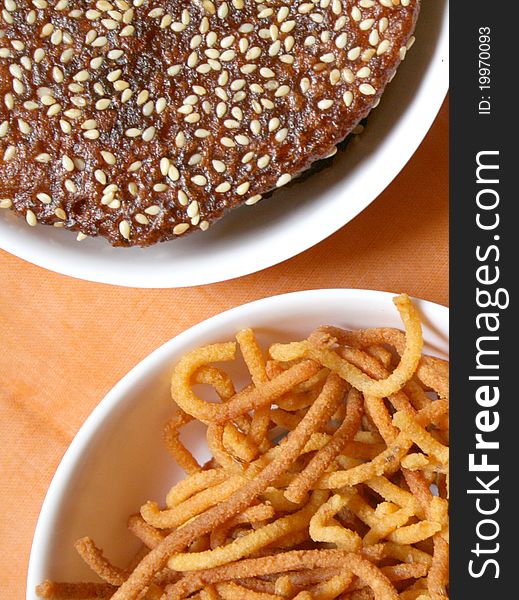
(319,485)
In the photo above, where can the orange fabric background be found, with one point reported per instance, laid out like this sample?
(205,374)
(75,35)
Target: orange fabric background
(65,342)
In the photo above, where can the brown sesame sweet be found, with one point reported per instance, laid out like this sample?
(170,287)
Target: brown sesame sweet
(144,120)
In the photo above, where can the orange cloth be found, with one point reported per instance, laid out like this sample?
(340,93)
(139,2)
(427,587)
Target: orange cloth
(65,342)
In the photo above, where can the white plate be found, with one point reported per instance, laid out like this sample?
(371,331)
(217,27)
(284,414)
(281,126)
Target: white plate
(252,238)
(117,461)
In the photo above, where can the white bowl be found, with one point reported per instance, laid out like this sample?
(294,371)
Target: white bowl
(117,461)
(252,238)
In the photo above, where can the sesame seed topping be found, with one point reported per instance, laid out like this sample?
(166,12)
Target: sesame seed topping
(124,229)
(30,217)
(180,228)
(367,89)
(231,74)
(283,180)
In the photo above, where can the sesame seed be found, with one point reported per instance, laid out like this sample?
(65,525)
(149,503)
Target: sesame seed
(253,200)
(67,162)
(148,134)
(219,166)
(354,53)
(199,180)
(180,228)
(341,40)
(366,24)
(60,213)
(223,187)
(243,188)
(6,202)
(152,210)
(124,229)
(202,133)
(142,219)
(325,104)
(348,98)
(193,209)
(283,180)
(44,198)
(182,198)
(30,217)
(367,89)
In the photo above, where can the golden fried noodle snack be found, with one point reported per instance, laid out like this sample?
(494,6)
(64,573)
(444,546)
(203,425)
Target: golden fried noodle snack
(329,477)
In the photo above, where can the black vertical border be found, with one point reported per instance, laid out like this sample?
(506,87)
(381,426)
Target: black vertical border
(471,133)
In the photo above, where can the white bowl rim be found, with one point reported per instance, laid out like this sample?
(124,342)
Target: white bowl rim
(116,395)
(420,114)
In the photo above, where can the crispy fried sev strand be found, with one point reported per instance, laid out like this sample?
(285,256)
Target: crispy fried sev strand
(324,528)
(400,572)
(154,592)
(54,590)
(255,362)
(411,534)
(221,454)
(232,438)
(216,378)
(224,387)
(304,595)
(233,591)
(317,415)
(408,554)
(420,489)
(209,593)
(309,577)
(238,443)
(386,462)
(433,413)
(328,590)
(253,514)
(372,367)
(393,493)
(363,594)
(277,499)
(387,525)
(200,544)
(383,355)
(193,484)
(284,587)
(242,402)
(296,560)
(419,462)
(176,448)
(409,359)
(305,480)
(179,514)
(414,595)
(422,438)
(416,394)
(285,419)
(432,372)
(377,410)
(250,543)
(439,572)
(149,535)
(95,559)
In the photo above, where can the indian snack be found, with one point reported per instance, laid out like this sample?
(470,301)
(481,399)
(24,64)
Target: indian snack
(328,477)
